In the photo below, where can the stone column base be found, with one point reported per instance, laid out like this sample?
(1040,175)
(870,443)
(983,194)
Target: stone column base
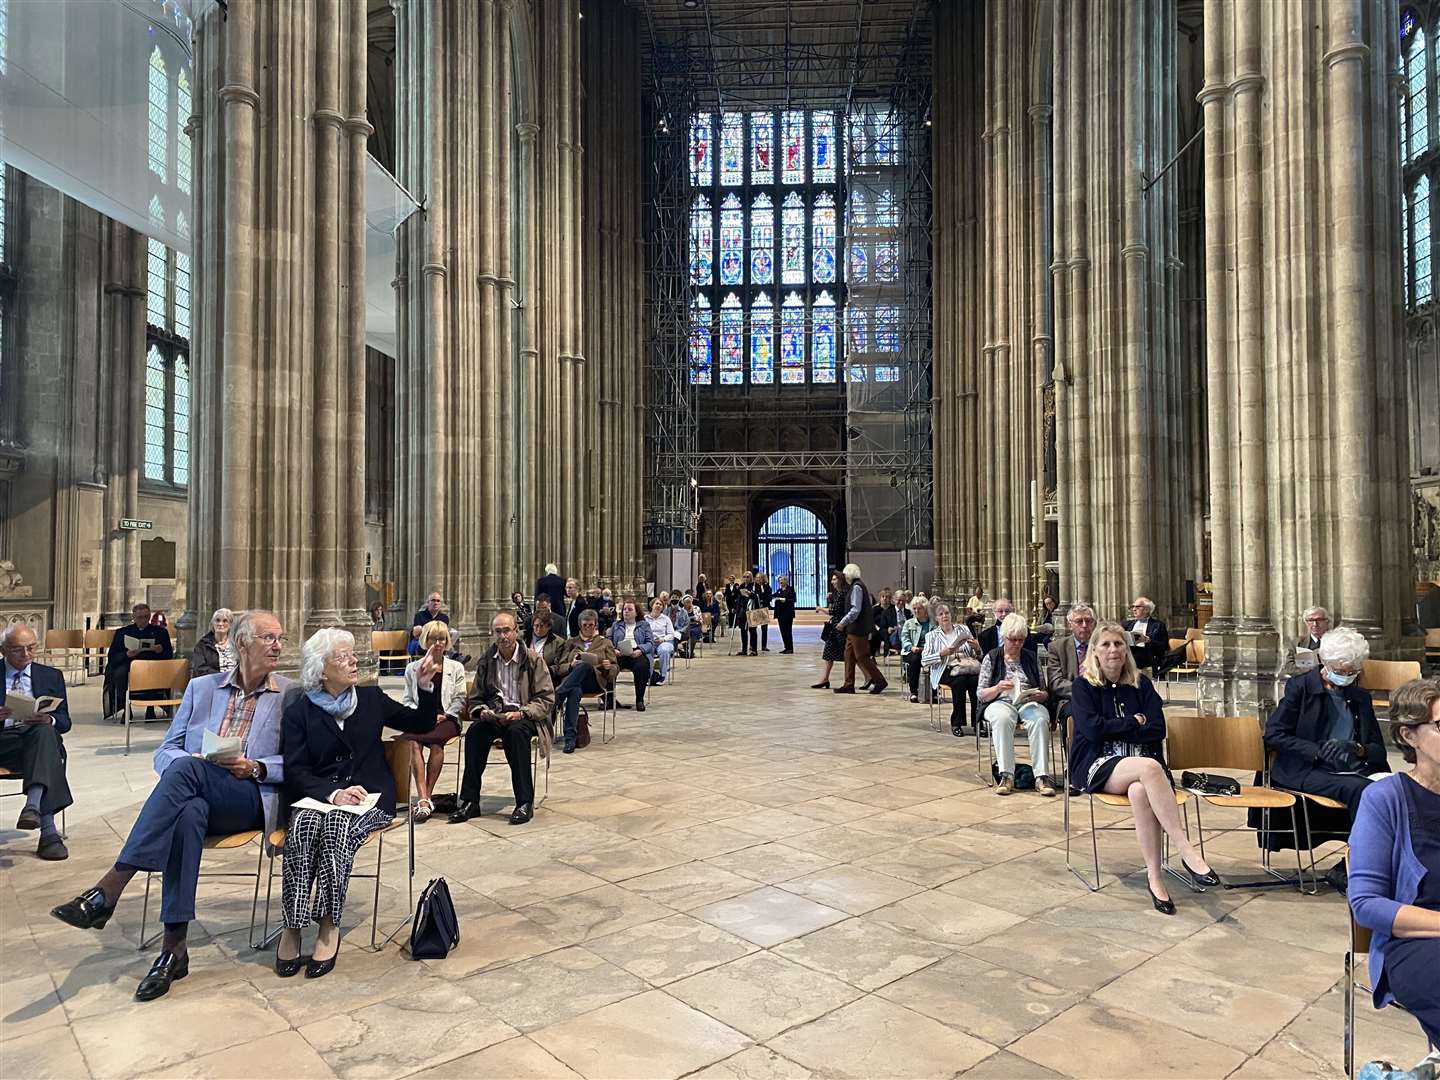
(1243,668)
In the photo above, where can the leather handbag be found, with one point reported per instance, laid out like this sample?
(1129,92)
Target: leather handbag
(436,928)
(582,730)
(1209,783)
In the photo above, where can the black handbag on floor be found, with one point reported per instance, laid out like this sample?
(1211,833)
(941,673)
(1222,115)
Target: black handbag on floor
(436,929)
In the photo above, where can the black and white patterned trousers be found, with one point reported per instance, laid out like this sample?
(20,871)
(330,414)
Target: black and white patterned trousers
(319,855)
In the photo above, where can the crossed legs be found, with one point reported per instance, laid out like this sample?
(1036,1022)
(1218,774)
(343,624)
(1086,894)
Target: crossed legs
(1152,803)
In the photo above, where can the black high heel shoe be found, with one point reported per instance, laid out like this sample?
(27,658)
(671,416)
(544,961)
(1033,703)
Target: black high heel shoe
(1165,907)
(1206,880)
(318,969)
(288,968)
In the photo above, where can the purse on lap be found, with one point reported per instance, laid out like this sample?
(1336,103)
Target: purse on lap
(436,929)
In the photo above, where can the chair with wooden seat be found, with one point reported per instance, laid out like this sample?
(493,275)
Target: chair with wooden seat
(1381,677)
(169,676)
(219,842)
(1357,977)
(1432,649)
(1117,802)
(398,757)
(389,646)
(1194,656)
(95,645)
(60,645)
(1233,743)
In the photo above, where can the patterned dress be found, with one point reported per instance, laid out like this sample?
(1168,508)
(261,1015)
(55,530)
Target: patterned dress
(835,647)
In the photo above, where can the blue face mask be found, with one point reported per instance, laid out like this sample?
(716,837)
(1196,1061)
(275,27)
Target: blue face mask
(1341,679)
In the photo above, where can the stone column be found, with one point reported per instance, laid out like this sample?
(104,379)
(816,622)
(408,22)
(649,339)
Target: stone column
(272,514)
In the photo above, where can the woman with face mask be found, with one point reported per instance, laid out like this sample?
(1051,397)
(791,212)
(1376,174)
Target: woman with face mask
(1326,739)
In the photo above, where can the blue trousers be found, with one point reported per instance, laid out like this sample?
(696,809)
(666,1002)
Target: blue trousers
(193,799)
(581,680)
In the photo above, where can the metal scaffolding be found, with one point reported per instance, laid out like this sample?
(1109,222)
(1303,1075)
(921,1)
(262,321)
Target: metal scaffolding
(669,397)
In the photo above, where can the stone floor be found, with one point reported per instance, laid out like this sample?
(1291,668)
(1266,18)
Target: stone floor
(754,880)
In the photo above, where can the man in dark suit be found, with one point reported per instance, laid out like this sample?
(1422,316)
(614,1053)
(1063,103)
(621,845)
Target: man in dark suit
(552,585)
(1066,656)
(571,606)
(154,644)
(990,636)
(1149,639)
(33,747)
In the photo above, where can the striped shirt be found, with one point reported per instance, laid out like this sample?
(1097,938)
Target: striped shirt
(240,709)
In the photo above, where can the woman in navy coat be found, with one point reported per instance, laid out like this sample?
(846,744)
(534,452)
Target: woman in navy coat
(1118,748)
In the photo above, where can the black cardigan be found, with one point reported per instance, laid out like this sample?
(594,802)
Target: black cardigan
(320,757)
(1105,713)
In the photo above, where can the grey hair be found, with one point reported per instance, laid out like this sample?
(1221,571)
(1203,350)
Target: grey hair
(920,602)
(318,649)
(551,568)
(1344,647)
(938,608)
(1146,603)
(1005,600)
(1080,609)
(221,613)
(589,615)
(242,626)
(851,573)
(1014,626)
(1309,611)
(7,635)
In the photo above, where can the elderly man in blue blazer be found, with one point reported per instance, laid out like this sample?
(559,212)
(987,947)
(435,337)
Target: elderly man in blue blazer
(196,797)
(32,746)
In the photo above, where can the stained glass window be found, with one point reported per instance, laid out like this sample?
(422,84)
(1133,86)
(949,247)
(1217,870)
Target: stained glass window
(732,348)
(792,339)
(857,327)
(793,167)
(859,263)
(762,341)
(887,260)
(732,149)
(1421,279)
(822,139)
(887,329)
(762,241)
(792,240)
(700,344)
(159,116)
(702,151)
(822,330)
(886,215)
(762,148)
(702,241)
(1417,131)
(885,143)
(822,228)
(732,241)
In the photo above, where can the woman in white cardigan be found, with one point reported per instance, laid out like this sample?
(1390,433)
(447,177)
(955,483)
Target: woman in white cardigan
(952,658)
(435,639)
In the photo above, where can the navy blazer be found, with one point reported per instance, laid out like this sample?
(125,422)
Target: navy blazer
(1296,729)
(1107,713)
(46,682)
(321,758)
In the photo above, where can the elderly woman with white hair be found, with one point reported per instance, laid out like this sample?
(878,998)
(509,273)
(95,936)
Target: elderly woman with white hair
(1013,691)
(1325,736)
(857,624)
(213,653)
(335,757)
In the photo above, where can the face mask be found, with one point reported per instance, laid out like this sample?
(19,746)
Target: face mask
(1340,679)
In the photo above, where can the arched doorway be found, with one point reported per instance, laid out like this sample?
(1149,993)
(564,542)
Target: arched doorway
(793,542)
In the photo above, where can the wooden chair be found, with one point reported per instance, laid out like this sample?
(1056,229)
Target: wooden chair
(60,643)
(1194,656)
(1432,649)
(1118,802)
(389,646)
(1380,677)
(1235,743)
(398,757)
(171,676)
(219,842)
(95,645)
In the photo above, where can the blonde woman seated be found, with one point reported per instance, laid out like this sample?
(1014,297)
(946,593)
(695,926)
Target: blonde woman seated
(1118,748)
(434,640)
(1013,691)
(334,755)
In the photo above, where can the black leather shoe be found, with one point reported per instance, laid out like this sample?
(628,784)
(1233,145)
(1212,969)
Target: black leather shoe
(956,730)
(865,689)
(622,705)
(639,706)
(29,819)
(318,969)
(844,690)
(522,814)
(1165,907)
(52,850)
(821,685)
(288,968)
(167,969)
(463,813)
(569,748)
(86,912)
(880,689)
(1201,881)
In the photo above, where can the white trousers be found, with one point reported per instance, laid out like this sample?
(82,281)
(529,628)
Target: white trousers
(1002,718)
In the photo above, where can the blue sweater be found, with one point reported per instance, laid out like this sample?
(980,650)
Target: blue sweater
(1385,872)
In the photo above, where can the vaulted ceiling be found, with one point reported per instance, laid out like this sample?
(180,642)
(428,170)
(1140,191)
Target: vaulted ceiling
(803,52)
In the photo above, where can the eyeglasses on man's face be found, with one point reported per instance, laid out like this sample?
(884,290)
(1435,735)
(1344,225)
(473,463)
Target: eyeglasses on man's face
(271,640)
(30,649)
